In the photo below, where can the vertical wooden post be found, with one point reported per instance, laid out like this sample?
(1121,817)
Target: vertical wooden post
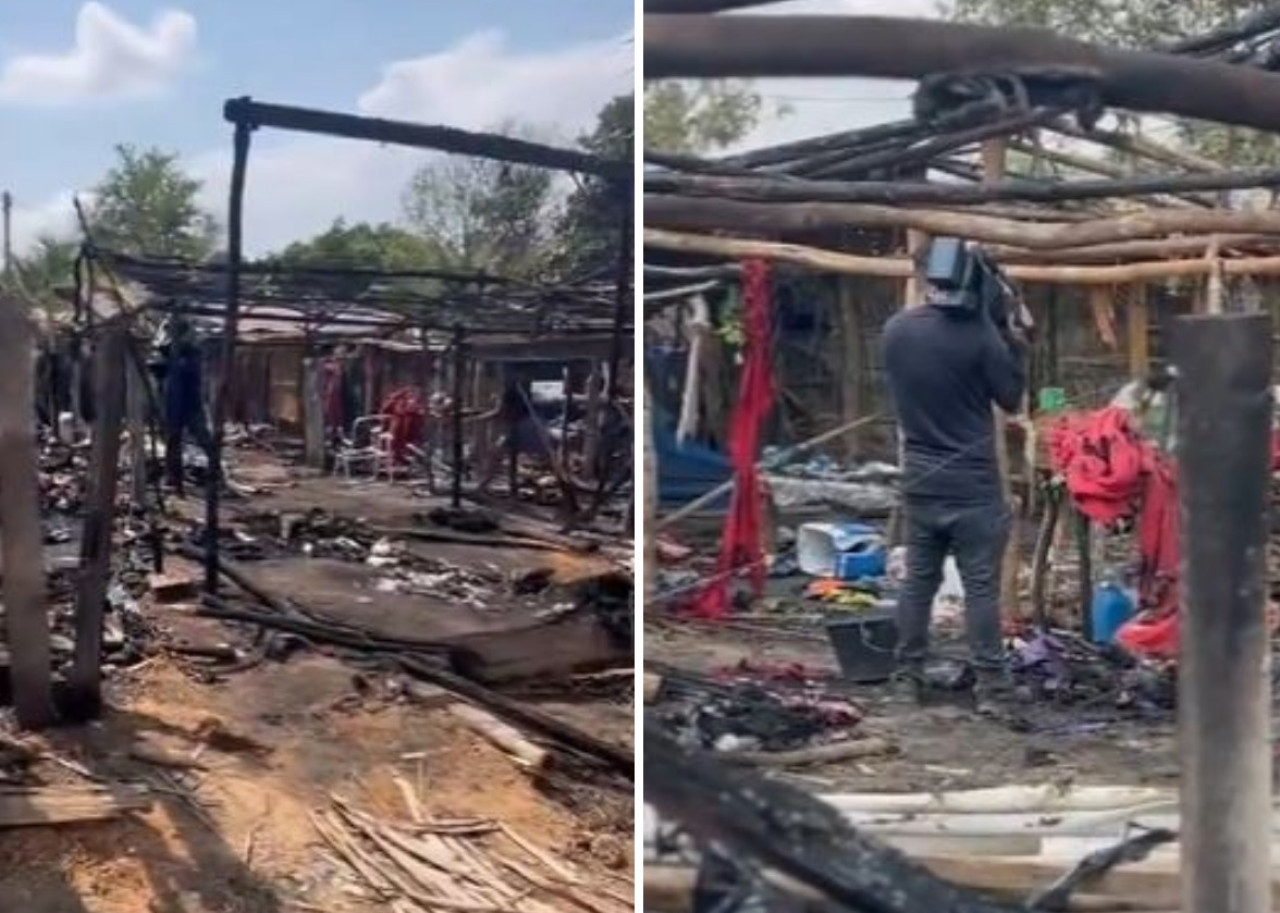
(852,362)
(994,155)
(651,495)
(459,380)
(6,202)
(913,296)
(21,539)
(1138,331)
(227,353)
(109,378)
(1224,456)
(137,408)
(591,420)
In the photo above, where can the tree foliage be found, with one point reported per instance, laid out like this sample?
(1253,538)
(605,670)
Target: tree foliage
(589,228)
(41,273)
(694,118)
(362,245)
(1138,24)
(483,215)
(147,205)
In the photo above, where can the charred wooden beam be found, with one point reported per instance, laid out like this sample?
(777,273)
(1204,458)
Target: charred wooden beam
(1264,20)
(252,114)
(109,379)
(693,214)
(1138,146)
(898,193)
(769,824)
(890,48)
(227,350)
(26,617)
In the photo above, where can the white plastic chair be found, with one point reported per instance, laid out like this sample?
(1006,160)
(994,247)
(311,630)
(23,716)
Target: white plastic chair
(376,453)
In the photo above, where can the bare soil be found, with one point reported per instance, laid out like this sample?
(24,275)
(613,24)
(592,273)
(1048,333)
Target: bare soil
(238,836)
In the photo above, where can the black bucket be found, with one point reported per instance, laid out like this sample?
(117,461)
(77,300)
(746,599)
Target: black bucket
(866,646)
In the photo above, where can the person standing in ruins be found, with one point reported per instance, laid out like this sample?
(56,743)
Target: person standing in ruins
(947,365)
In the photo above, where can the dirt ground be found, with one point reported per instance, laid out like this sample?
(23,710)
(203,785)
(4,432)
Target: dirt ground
(237,836)
(945,747)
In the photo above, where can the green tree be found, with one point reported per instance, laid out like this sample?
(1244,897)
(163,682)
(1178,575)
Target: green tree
(589,230)
(40,276)
(146,205)
(694,118)
(1138,24)
(382,247)
(483,215)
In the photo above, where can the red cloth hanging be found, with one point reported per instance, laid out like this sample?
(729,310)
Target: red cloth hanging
(405,417)
(1111,473)
(742,547)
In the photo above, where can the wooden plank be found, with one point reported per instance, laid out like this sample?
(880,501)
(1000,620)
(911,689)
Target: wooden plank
(85,679)
(66,805)
(26,608)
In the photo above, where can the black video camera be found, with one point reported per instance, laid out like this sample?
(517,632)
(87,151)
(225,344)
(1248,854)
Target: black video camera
(965,277)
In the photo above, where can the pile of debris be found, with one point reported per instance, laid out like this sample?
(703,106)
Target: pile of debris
(453,864)
(768,717)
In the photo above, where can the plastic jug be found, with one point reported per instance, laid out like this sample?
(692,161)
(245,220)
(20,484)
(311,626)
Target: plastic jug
(1111,608)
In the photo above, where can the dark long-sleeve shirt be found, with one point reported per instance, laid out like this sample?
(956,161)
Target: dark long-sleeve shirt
(946,369)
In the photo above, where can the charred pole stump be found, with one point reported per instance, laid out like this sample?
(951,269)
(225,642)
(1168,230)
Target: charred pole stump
(109,380)
(26,610)
(227,354)
(459,381)
(1224,438)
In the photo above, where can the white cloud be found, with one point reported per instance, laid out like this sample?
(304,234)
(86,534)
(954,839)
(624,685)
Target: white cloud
(298,185)
(112,59)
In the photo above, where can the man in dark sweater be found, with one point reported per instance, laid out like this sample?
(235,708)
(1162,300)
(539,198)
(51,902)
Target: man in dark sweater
(947,367)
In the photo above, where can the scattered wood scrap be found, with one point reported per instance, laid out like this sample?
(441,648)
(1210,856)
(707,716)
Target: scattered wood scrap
(51,805)
(471,865)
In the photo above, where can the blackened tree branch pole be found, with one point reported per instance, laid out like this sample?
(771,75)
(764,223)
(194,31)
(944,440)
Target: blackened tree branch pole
(110,360)
(680,46)
(227,354)
(248,113)
(1225,412)
(765,189)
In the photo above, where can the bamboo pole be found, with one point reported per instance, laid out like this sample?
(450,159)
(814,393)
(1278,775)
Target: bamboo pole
(900,268)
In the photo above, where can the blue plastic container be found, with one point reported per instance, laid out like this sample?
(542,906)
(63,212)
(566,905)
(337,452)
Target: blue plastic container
(1112,607)
(866,559)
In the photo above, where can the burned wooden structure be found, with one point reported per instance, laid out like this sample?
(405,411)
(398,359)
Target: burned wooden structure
(998,152)
(427,330)
(248,116)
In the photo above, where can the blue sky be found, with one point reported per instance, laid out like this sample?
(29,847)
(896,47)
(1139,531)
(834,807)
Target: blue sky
(77,78)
